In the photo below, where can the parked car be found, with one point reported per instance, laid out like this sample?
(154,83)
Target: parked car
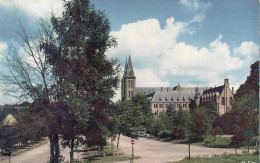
(143,134)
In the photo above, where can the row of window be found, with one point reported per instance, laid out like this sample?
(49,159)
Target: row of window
(130,94)
(130,83)
(166,105)
(223,101)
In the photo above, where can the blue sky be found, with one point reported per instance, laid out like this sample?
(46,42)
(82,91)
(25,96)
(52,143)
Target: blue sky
(193,42)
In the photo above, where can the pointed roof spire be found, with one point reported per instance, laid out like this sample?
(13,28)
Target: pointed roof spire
(129,72)
(125,68)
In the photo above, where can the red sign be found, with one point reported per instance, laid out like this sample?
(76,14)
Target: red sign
(132,141)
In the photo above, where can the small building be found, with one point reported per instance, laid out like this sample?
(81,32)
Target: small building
(160,98)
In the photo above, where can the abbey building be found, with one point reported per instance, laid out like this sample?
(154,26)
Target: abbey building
(160,98)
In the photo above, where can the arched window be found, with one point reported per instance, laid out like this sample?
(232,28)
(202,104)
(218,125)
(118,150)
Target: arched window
(222,101)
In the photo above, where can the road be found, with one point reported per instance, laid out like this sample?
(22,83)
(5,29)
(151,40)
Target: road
(154,151)
(149,150)
(40,154)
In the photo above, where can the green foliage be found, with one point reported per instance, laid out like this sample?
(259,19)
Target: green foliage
(180,125)
(8,137)
(200,124)
(164,134)
(127,117)
(251,83)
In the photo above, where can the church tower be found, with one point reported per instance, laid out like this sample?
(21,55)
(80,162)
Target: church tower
(128,83)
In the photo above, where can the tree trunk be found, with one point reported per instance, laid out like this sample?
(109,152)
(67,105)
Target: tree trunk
(113,150)
(56,148)
(235,147)
(51,149)
(72,150)
(118,141)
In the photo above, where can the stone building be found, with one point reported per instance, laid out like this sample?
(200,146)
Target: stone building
(160,98)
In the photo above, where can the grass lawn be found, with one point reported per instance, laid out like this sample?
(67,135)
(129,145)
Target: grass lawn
(94,156)
(226,158)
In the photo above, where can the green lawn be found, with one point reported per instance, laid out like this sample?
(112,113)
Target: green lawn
(92,155)
(230,158)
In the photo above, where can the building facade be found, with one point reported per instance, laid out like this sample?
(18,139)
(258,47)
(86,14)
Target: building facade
(179,97)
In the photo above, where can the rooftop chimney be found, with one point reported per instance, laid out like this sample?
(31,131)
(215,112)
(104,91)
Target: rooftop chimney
(233,90)
(226,82)
(161,89)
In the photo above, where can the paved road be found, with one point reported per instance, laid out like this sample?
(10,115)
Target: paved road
(153,151)
(149,150)
(40,154)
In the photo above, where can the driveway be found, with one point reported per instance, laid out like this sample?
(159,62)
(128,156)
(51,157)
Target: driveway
(154,151)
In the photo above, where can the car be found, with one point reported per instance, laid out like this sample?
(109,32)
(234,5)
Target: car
(143,134)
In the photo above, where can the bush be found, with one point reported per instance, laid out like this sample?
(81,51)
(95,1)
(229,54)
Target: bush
(209,139)
(164,134)
(256,152)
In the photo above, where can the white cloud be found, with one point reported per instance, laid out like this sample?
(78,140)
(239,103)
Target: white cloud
(199,7)
(146,38)
(162,56)
(38,8)
(247,49)
(149,78)
(194,4)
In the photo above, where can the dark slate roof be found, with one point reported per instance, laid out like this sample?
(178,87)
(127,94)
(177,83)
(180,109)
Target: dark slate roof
(129,72)
(214,90)
(173,96)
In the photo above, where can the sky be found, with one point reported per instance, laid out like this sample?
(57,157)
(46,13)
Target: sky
(191,42)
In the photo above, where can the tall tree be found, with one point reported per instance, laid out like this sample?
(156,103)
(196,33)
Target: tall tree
(86,78)
(180,127)
(251,83)
(200,124)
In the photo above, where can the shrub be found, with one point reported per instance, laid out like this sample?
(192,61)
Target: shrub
(164,134)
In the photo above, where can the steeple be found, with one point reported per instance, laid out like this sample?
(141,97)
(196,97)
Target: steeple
(128,82)
(129,72)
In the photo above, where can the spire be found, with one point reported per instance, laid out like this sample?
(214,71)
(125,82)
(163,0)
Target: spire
(129,72)
(125,68)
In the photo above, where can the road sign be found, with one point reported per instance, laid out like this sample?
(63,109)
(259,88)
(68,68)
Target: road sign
(132,141)
(248,133)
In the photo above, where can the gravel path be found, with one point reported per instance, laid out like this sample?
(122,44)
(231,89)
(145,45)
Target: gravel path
(153,151)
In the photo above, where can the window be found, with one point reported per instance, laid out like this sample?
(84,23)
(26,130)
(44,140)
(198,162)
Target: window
(166,105)
(178,105)
(132,94)
(222,101)
(184,105)
(160,105)
(155,105)
(129,94)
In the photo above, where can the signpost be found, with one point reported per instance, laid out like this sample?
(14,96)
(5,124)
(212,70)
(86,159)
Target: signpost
(248,134)
(132,142)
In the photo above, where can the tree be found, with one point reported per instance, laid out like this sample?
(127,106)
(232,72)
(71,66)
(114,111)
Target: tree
(170,110)
(244,116)
(77,54)
(251,83)
(180,124)
(244,113)
(200,124)
(128,118)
